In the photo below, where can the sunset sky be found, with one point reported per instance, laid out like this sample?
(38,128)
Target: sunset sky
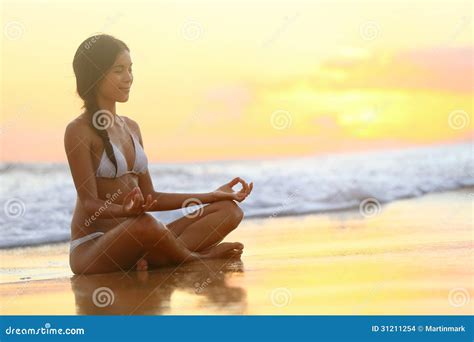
(241,79)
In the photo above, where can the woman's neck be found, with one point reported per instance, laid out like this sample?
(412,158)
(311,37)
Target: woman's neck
(107,105)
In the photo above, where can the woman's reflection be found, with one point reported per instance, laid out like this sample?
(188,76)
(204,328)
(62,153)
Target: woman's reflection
(149,292)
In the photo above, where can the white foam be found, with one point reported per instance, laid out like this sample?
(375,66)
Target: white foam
(281,187)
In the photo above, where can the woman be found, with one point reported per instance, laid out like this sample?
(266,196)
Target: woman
(111,229)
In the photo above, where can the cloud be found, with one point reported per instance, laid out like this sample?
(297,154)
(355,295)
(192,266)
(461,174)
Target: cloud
(437,68)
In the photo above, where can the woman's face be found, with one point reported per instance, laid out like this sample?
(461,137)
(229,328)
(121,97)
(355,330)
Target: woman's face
(115,86)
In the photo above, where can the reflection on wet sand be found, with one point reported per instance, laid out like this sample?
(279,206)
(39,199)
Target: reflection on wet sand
(413,258)
(161,291)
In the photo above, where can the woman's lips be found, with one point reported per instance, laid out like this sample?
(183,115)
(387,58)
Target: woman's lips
(126,90)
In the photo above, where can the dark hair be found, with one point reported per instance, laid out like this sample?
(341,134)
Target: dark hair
(93,59)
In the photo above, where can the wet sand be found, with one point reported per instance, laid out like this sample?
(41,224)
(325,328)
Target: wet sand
(414,257)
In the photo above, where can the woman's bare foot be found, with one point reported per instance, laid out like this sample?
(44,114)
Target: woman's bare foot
(223,250)
(142,265)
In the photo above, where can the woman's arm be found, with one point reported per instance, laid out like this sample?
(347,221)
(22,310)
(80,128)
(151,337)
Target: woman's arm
(78,150)
(102,209)
(171,201)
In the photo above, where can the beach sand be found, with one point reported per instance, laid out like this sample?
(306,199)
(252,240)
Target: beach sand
(414,257)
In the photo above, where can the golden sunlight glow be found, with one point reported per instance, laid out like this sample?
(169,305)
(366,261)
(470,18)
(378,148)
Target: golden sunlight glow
(223,80)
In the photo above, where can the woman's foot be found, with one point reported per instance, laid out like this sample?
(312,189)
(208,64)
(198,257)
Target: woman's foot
(224,250)
(142,265)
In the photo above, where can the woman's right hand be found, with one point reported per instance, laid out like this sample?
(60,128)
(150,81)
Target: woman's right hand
(225,192)
(133,204)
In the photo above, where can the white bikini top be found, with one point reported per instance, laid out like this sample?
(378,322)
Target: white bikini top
(106,168)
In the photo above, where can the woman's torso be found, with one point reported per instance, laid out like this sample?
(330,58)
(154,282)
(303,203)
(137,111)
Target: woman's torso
(113,189)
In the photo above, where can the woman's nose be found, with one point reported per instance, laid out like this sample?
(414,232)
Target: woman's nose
(128,77)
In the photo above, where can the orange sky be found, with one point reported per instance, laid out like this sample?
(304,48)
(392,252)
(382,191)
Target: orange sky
(238,80)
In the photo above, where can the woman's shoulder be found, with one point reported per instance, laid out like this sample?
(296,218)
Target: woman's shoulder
(79,126)
(132,124)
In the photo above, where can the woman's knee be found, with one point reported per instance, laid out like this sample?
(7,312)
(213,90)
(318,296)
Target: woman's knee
(236,211)
(233,210)
(148,230)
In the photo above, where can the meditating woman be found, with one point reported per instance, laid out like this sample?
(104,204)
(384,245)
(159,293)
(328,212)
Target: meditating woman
(111,229)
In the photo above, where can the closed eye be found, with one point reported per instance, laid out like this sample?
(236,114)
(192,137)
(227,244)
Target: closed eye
(119,70)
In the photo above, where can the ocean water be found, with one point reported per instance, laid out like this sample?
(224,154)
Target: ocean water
(37,200)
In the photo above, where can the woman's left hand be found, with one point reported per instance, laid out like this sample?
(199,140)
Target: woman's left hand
(225,192)
(134,204)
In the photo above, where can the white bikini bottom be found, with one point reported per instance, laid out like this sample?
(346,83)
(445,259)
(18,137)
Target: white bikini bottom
(81,240)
